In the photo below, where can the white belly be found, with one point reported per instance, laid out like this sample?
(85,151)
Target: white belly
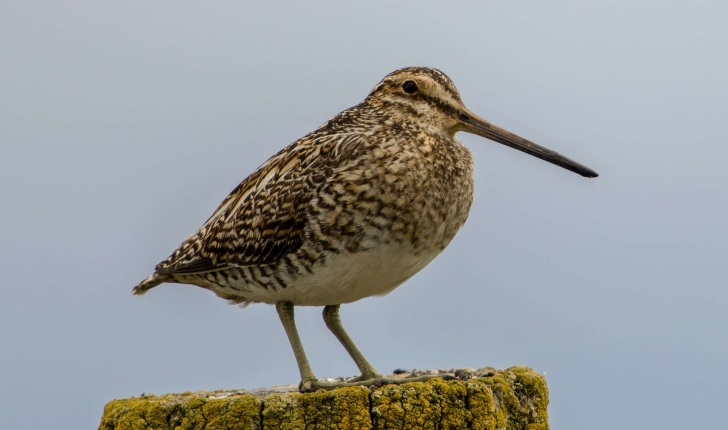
(346,278)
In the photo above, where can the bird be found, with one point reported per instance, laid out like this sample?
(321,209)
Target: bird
(351,210)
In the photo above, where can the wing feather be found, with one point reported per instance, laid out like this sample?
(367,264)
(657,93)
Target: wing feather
(264,217)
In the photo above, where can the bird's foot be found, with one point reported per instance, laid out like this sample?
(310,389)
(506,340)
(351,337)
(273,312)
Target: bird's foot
(372,381)
(308,385)
(365,377)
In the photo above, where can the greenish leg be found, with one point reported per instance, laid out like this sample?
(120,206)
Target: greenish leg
(285,313)
(333,322)
(369,375)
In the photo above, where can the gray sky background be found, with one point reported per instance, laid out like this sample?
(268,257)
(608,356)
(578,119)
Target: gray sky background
(123,125)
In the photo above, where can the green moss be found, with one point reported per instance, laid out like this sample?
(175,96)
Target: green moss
(515,398)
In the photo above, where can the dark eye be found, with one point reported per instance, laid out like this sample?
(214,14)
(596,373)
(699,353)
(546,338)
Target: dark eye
(409,87)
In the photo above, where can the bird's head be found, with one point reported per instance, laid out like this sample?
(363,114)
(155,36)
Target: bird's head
(428,99)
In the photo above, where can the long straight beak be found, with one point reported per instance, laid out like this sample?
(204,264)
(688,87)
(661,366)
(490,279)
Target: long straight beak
(471,123)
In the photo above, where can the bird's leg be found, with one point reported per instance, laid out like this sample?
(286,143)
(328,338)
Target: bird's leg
(333,322)
(369,375)
(285,312)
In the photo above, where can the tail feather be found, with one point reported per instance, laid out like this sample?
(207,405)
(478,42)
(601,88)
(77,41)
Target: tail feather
(150,283)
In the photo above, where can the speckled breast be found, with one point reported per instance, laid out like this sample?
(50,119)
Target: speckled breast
(399,205)
(416,190)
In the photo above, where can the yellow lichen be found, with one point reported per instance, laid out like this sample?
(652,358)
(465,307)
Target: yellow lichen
(515,398)
(182,412)
(345,408)
(520,400)
(243,413)
(435,404)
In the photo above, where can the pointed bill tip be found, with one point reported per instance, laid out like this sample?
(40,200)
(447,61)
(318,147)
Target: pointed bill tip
(586,172)
(592,174)
(474,124)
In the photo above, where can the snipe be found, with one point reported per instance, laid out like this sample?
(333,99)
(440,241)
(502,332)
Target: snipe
(351,210)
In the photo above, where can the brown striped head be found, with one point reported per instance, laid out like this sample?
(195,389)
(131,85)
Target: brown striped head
(427,99)
(419,95)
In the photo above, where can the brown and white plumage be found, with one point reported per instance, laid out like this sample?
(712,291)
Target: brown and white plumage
(351,210)
(365,179)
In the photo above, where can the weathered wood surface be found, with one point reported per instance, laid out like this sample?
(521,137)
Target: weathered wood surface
(515,398)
